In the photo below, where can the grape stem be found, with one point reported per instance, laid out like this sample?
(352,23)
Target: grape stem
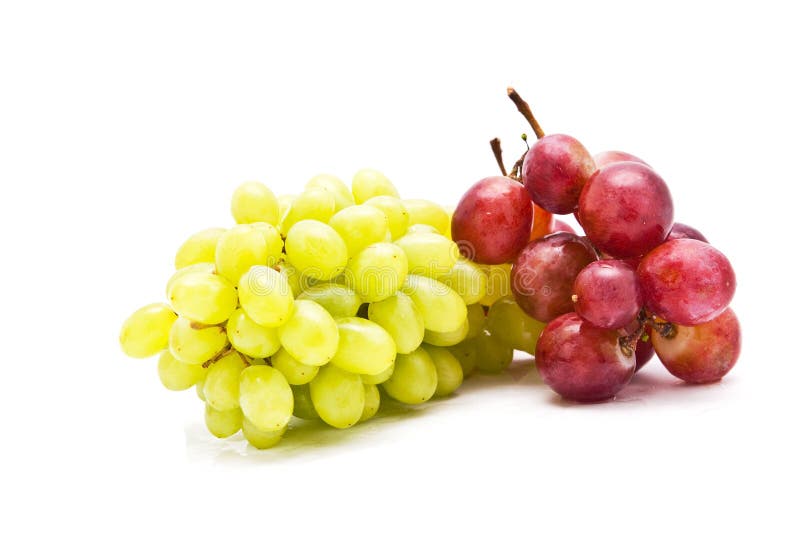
(218,356)
(525,109)
(498,154)
(628,343)
(665,329)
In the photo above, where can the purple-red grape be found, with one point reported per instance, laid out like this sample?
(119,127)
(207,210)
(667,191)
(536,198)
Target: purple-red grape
(684,231)
(561,226)
(554,171)
(615,156)
(582,362)
(686,281)
(492,221)
(701,353)
(626,209)
(544,271)
(644,352)
(607,294)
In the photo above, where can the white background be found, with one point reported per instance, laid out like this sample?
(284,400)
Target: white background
(124,126)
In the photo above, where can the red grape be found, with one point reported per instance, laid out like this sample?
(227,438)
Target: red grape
(561,226)
(554,171)
(644,352)
(607,294)
(542,223)
(614,156)
(686,281)
(626,209)
(544,271)
(582,362)
(492,221)
(684,231)
(701,353)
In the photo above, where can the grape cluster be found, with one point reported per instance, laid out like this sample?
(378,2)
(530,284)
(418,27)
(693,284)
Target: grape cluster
(315,305)
(636,283)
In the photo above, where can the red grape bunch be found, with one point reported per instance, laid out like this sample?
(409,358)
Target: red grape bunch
(635,284)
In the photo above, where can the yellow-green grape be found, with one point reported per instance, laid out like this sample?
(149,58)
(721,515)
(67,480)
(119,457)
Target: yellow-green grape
(221,386)
(414,378)
(449,209)
(254,202)
(296,282)
(198,389)
(422,229)
(203,298)
(476,317)
(466,279)
(448,370)
(223,424)
(338,396)
(199,248)
(238,249)
(250,338)
(303,407)
(316,250)
(447,339)
(265,397)
(310,335)
(205,267)
(177,375)
(466,353)
(498,282)
(333,185)
(428,254)
(493,354)
(395,212)
(399,316)
(368,183)
(377,272)
(372,402)
(296,373)
(360,226)
(273,240)
(194,343)
(426,212)
(338,299)
(265,296)
(313,204)
(514,327)
(259,438)
(284,203)
(146,331)
(364,347)
(380,378)
(441,308)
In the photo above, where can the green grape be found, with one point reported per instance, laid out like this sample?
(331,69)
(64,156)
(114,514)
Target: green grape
(399,316)
(266,296)
(395,212)
(296,282)
(341,193)
(493,354)
(449,210)
(364,347)
(466,279)
(284,203)
(296,373)
(194,343)
(316,250)
(498,282)
(204,267)
(265,397)
(428,254)
(377,272)
(414,378)
(372,402)
(198,389)
(422,229)
(221,387)
(177,375)
(338,299)
(368,183)
(338,396)
(273,240)
(303,407)
(448,370)
(254,202)
(223,424)
(238,249)
(146,331)
(379,378)
(203,298)
(250,338)
(360,226)
(199,248)
(312,204)
(261,439)
(514,327)
(466,353)
(476,317)
(310,335)
(441,308)
(427,212)
(447,339)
